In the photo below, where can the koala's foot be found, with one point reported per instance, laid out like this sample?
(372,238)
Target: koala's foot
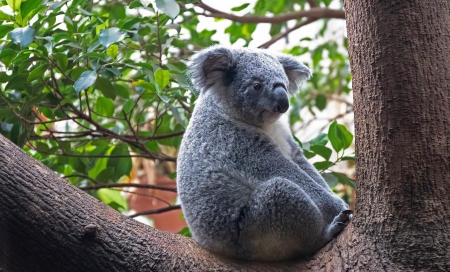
(339,223)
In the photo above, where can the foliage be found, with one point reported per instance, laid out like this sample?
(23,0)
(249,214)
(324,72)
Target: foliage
(87,86)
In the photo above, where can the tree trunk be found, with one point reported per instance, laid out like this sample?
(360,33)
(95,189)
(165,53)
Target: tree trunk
(400,58)
(400,61)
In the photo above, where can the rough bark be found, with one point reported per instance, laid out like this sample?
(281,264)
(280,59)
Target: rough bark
(400,61)
(46,224)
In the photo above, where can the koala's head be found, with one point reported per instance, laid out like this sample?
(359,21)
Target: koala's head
(252,85)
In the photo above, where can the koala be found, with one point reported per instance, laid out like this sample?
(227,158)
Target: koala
(246,189)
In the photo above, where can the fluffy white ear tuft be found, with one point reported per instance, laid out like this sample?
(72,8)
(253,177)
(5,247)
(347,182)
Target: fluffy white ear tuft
(296,72)
(209,66)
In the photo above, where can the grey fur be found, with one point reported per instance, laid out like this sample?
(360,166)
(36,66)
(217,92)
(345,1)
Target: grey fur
(246,189)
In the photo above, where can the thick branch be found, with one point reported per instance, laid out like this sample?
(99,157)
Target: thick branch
(315,12)
(46,224)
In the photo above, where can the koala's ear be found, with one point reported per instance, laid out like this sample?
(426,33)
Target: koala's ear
(209,66)
(295,71)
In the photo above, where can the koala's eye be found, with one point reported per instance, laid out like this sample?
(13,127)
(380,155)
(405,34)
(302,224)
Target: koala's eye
(257,86)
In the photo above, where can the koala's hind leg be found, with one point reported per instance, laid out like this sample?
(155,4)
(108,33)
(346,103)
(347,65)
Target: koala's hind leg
(280,222)
(339,223)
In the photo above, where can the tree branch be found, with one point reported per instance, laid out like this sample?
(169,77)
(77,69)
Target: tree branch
(121,185)
(155,211)
(312,3)
(315,12)
(50,225)
(287,32)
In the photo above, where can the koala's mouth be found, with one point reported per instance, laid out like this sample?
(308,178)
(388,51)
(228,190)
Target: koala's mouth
(270,117)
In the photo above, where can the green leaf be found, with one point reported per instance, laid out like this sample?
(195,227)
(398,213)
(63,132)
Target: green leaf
(346,136)
(331,180)
(28,6)
(110,35)
(169,7)
(121,91)
(112,198)
(5,29)
(186,232)
(104,106)
(23,36)
(322,139)
(106,175)
(334,138)
(112,50)
(321,101)
(344,179)
(297,141)
(323,151)
(241,7)
(61,61)
(122,165)
(17,82)
(162,78)
(348,158)
(176,115)
(128,106)
(105,86)
(308,154)
(322,165)
(14,4)
(135,4)
(37,72)
(86,80)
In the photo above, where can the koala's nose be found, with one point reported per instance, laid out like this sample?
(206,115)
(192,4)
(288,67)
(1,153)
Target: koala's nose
(281,100)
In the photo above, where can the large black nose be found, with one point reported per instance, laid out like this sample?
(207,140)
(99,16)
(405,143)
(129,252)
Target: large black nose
(280,100)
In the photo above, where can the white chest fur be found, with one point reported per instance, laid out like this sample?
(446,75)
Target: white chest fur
(279,132)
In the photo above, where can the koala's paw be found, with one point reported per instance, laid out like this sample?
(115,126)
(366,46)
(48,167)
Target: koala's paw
(339,223)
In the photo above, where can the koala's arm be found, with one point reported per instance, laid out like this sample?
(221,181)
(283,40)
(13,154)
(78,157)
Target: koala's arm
(303,163)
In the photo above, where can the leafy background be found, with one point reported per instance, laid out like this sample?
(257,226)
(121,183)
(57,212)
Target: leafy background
(93,88)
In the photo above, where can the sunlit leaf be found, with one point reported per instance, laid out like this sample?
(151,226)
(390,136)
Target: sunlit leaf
(169,7)
(112,50)
(110,35)
(23,36)
(241,7)
(28,6)
(14,4)
(104,106)
(162,78)
(86,80)
(112,198)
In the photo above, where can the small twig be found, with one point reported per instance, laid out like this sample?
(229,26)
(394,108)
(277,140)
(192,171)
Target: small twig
(87,102)
(287,32)
(121,185)
(82,176)
(161,210)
